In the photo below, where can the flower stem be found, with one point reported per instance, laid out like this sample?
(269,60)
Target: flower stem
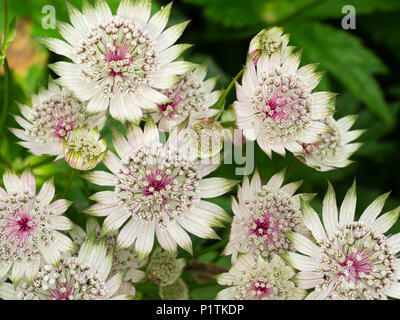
(218,245)
(68,188)
(4,111)
(221,102)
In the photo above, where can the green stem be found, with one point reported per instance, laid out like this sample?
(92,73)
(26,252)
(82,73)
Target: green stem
(68,188)
(5,17)
(215,246)
(4,111)
(221,102)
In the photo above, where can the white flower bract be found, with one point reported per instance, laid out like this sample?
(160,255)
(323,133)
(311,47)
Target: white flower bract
(276,106)
(351,260)
(74,278)
(119,61)
(54,114)
(253,278)
(334,148)
(158,190)
(263,215)
(29,225)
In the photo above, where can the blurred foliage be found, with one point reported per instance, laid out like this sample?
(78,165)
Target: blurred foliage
(362,67)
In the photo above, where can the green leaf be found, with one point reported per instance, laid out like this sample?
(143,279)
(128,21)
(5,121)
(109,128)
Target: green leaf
(235,13)
(346,59)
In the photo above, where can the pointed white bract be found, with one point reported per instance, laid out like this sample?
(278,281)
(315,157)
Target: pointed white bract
(119,61)
(191,97)
(158,190)
(84,149)
(53,116)
(253,278)
(276,106)
(263,215)
(163,268)
(74,278)
(350,259)
(125,262)
(30,226)
(268,41)
(335,146)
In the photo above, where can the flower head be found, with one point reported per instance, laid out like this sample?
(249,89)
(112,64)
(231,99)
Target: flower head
(276,105)
(164,268)
(119,61)
(334,148)
(176,291)
(157,190)
(51,119)
(253,278)
(125,261)
(190,97)
(83,150)
(268,41)
(29,225)
(263,215)
(207,138)
(75,278)
(350,259)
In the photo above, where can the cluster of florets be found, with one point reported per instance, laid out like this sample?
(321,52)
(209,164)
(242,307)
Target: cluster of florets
(83,150)
(70,280)
(157,184)
(21,227)
(272,214)
(56,116)
(124,59)
(283,105)
(360,261)
(207,138)
(164,268)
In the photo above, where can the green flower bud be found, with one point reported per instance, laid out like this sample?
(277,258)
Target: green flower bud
(164,268)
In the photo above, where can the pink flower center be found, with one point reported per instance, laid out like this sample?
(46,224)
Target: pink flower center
(169,108)
(63,128)
(275,109)
(260,289)
(21,228)
(61,292)
(121,58)
(268,228)
(354,264)
(156,183)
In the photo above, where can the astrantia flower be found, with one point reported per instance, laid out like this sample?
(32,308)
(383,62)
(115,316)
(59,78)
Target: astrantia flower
(276,105)
(28,226)
(207,138)
(119,60)
(350,259)
(191,96)
(157,190)
(176,291)
(263,215)
(334,148)
(164,268)
(74,278)
(252,278)
(53,116)
(268,41)
(84,149)
(125,261)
